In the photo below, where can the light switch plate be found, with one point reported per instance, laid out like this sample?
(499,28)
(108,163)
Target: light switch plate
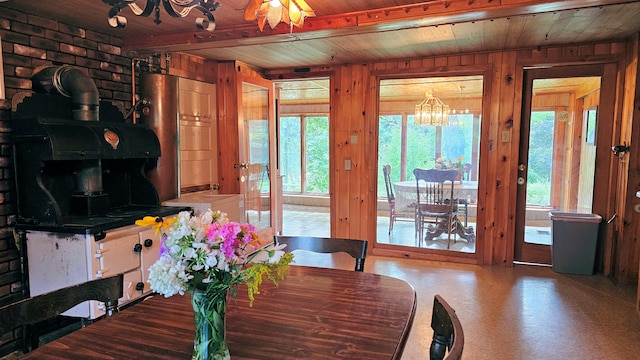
(347,164)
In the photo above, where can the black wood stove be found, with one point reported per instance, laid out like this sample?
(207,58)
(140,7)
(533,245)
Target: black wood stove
(80,166)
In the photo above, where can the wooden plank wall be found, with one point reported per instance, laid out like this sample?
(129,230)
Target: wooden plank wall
(354,107)
(353,194)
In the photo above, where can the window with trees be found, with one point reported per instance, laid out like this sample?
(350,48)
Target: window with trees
(304,154)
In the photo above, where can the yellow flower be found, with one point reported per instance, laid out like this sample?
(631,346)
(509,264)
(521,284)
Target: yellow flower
(156,222)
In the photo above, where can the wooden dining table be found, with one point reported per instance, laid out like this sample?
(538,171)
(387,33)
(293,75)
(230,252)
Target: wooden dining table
(315,313)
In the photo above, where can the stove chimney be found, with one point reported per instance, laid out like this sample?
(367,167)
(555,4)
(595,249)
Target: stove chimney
(71,82)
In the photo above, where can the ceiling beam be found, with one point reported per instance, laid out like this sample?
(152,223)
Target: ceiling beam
(430,13)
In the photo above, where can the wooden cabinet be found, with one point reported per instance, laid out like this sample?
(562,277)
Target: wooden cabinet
(198,135)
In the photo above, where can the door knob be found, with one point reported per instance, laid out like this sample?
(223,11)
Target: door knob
(521,167)
(520,180)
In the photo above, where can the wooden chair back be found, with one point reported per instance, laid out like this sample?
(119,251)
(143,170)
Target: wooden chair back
(435,194)
(356,248)
(386,172)
(391,199)
(49,305)
(447,332)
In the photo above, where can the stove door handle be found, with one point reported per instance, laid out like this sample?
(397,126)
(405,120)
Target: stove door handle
(100,236)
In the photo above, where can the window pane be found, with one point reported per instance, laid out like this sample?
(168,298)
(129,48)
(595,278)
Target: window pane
(454,143)
(290,153)
(389,143)
(540,158)
(317,154)
(421,147)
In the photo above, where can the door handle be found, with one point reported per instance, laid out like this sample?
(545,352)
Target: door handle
(521,167)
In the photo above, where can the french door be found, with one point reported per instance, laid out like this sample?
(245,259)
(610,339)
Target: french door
(562,123)
(257,132)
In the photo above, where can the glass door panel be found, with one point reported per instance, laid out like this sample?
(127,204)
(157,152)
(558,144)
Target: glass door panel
(557,156)
(408,139)
(257,194)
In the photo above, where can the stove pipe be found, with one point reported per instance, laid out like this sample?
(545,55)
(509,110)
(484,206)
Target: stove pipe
(85,102)
(69,81)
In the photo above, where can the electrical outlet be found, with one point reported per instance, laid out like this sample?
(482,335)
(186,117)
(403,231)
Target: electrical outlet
(347,164)
(506,136)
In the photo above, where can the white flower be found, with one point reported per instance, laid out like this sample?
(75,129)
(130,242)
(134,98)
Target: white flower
(206,246)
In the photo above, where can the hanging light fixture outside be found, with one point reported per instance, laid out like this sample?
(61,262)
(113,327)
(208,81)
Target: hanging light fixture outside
(461,111)
(290,12)
(175,8)
(431,111)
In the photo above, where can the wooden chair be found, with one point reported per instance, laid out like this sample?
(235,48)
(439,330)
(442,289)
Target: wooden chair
(356,248)
(447,332)
(394,214)
(436,203)
(49,305)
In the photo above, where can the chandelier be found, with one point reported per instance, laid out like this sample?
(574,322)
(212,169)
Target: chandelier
(175,8)
(431,111)
(290,12)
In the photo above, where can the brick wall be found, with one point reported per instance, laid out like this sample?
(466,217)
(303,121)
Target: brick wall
(28,42)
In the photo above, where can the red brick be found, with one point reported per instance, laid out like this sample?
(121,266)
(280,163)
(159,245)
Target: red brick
(70,29)
(111,67)
(14,15)
(123,78)
(17,60)
(27,29)
(115,41)
(88,63)
(96,36)
(45,44)
(36,63)
(17,83)
(114,50)
(14,37)
(7,47)
(105,94)
(5,24)
(72,49)
(87,44)
(99,74)
(121,60)
(23,72)
(61,58)
(98,55)
(112,85)
(9,70)
(29,51)
(117,95)
(58,36)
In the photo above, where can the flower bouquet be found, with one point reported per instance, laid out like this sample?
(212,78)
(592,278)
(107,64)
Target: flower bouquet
(209,256)
(442,163)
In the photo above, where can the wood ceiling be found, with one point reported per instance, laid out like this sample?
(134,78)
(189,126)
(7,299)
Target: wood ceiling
(348,31)
(358,31)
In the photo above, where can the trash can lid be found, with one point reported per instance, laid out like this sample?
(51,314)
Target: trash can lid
(574,217)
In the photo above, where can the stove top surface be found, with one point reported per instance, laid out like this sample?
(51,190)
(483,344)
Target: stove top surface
(115,218)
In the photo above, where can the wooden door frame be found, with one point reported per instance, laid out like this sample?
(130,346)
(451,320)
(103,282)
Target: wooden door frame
(604,178)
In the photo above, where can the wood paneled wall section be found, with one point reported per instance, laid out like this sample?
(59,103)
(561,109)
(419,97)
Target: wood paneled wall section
(193,67)
(354,112)
(626,251)
(354,108)
(631,115)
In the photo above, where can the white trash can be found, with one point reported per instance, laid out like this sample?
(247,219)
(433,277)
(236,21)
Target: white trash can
(574,240)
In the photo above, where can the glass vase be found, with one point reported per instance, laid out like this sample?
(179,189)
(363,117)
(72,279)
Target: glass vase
(210,342)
